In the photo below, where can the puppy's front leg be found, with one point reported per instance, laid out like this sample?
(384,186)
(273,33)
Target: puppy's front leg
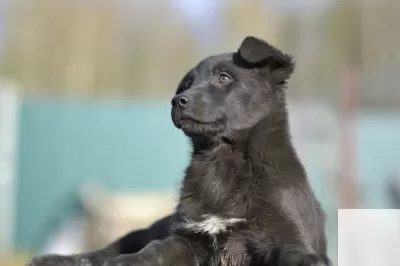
(95,258)
(172,251)
(298,258)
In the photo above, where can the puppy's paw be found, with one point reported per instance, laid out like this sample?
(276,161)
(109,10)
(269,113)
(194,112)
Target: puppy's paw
(125,260)
(296,258)
(56,260)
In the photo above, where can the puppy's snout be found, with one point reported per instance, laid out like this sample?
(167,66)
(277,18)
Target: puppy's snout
(180,101)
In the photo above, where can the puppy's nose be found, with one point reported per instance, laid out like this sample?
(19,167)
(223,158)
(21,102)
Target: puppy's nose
(179,101)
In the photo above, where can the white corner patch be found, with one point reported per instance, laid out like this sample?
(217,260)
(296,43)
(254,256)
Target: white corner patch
(368,237)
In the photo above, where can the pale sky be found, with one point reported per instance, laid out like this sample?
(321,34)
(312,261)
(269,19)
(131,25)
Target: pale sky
(203,15)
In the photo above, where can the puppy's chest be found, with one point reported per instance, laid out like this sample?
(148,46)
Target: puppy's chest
(227,243)
(230,250)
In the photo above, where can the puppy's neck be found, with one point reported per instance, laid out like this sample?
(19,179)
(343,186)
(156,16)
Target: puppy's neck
(268,135)
(268,141)
(220,178)
(270,132)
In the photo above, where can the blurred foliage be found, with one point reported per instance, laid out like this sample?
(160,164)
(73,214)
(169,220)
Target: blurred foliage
(88,49)
(351,35)
(142,48)
(113,48)
(249,18)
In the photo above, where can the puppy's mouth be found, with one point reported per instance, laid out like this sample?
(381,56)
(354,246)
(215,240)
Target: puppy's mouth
(191,125)
(184,119)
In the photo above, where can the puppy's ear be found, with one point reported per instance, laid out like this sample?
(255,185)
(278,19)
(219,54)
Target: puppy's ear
(258,53)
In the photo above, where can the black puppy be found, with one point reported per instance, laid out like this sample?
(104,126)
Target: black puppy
(245,198)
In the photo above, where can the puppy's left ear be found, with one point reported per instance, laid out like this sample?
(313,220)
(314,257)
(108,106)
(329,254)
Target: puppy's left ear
(258,53)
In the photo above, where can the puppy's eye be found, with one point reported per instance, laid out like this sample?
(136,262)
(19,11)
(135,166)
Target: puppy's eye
(189,82)
(224,78)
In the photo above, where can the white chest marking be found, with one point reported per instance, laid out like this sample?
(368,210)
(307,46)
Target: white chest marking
(211,224)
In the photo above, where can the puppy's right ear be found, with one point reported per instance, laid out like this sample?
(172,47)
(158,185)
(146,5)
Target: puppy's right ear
(254,50)
(258,53)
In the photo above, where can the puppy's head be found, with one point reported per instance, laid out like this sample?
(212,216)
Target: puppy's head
(228,93)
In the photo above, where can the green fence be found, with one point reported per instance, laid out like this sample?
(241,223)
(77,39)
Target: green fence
(62,144)
(134,146)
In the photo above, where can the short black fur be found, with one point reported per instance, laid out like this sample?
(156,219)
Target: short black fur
(245,198)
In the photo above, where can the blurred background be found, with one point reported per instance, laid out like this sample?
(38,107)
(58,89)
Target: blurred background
(85,89)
